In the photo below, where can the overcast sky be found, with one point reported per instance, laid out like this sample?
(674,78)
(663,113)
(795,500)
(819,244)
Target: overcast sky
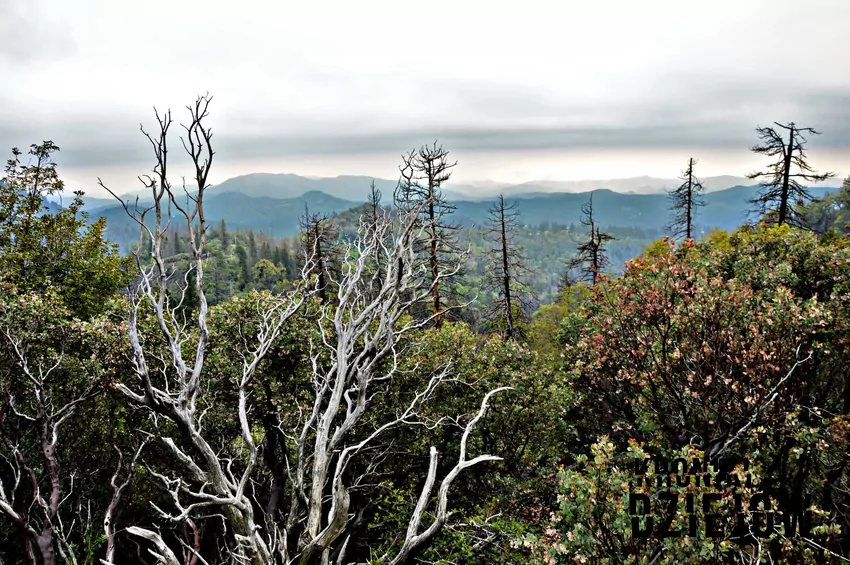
(537,89)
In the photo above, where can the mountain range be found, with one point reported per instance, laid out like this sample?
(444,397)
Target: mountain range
(273,203)
(352,187)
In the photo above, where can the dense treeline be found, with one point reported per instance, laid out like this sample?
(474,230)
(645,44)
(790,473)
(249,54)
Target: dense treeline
(222,396)
(238,261)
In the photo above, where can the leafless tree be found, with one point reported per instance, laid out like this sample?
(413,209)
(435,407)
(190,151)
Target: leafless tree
(366,339)
(685,201)
(118,489)
(170,387)
(362,338)
(591,260)
(781,192)
(423,173)
(373,206)
(38,478)
(375,214)
(507,265)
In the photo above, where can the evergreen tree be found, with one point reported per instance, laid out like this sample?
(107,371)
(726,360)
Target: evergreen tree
(244,269)
(252,248)
(190,304)
(225,240)
(288,262)
(265,251)
(177,244)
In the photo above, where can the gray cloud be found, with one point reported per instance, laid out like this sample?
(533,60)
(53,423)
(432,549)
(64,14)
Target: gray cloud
(108,147)
(30,36)
(719,122)
(311,82)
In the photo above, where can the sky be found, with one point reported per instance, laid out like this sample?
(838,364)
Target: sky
(517,91)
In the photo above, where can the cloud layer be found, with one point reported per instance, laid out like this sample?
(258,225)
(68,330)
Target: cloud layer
(337,79)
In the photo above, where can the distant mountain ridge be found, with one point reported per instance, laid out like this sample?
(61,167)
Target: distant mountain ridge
(278,217)
(355,187)
(635,185)
(275,216)
(286,185)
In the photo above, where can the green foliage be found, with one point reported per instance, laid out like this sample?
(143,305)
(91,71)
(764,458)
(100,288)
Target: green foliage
(40,248)
(549,326)
(523,426)
(593,524)
(693,349)
(830,213)
(698,347)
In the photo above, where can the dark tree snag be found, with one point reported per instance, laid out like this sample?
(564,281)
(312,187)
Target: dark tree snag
(685,201)
(423,173)
(506,267)
(782,195)
(318,244)
(374,210)
(591,260)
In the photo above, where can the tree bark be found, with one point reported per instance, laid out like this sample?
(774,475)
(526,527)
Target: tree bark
(786,178)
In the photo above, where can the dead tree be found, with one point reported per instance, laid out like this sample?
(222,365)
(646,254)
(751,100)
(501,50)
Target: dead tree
(366,338)
(781,193)
(591,259)
(507,265)
(170,386)
(685,201)
(318,247)
(363,338)
(374,208)
(375,214)
(36,476)
(423,173)
(118,489)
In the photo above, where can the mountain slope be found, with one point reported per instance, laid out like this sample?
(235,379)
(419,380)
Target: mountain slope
(275,216)
(278,217)
(353,187)
(725,209)
(348,187)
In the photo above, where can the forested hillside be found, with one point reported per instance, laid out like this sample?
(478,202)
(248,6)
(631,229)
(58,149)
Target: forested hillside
(278,217)
(411,379)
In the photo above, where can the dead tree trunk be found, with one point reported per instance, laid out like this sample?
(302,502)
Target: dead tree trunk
(507,265)
(423,172)
(781,188)
(363,336)
(591,259)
